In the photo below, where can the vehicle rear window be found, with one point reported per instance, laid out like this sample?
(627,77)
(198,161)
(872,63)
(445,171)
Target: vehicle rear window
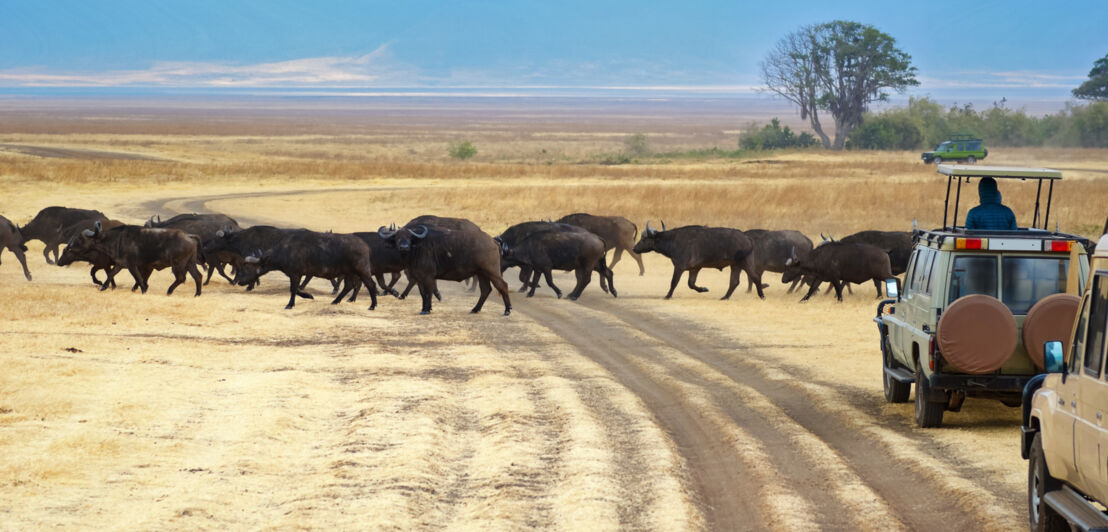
(1029,279)
(973,275)
(1098,313)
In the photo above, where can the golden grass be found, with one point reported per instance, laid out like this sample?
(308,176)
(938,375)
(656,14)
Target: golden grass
(227,412)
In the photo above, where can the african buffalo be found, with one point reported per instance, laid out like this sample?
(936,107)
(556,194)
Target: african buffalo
(140,250)
(512,236)
(898,244)
(302,252)
(385,259)
(542,251)
(232,247)
(204,226)
(48,224)
(839,263)
(98,260)
(616,231)
(435,251)
(772,249)
(12,238)
(696,246)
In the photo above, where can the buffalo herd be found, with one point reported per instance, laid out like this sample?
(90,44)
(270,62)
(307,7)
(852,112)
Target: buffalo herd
(428,249)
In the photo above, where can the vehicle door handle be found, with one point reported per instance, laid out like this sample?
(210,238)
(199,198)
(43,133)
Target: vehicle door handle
(1073,404)
(1061,401)
(1098,416)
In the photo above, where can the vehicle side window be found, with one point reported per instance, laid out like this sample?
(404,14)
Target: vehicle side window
(922,263)
(911,269)
(923,277)
(1078,346)
(1098,316)
(972,275)
(931,274)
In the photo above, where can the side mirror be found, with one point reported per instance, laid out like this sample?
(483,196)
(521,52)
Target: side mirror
(892,289)
(1052,357)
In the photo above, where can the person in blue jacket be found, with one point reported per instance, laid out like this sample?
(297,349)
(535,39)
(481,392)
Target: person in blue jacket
(990,214)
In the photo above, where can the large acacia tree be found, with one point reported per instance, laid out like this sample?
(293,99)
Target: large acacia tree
(839,67)
(1096,88)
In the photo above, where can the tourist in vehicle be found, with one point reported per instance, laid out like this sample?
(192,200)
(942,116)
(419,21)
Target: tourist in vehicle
(991,214)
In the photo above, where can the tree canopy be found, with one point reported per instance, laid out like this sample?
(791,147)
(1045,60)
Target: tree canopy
(839,67)
(1096,87)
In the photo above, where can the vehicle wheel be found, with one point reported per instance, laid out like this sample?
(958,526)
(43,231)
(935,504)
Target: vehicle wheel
(971,159)
(938,160)
(929,414)
(895,391)
(1043,518)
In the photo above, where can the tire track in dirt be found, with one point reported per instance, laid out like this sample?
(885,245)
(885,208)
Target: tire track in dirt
(921,501)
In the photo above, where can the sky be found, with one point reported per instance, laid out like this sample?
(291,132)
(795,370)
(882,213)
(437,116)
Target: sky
(1015,49)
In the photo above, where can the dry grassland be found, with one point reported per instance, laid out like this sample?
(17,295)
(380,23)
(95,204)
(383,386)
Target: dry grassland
(144,411)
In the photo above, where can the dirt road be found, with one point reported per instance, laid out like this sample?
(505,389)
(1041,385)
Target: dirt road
(766,445)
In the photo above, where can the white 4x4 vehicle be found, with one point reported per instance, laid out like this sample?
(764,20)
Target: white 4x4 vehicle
(970,299)
(1065,438)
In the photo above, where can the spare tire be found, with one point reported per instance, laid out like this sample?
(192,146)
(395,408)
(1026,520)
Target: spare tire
(1049,319)
(977,334)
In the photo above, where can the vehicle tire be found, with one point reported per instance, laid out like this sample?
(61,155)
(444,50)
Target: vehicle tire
(895,391)
(929,414)
(938,160)
(1042,517)
(971,159)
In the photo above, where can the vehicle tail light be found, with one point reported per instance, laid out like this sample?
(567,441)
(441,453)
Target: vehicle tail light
(971,243)
(931,351)
(1058,245)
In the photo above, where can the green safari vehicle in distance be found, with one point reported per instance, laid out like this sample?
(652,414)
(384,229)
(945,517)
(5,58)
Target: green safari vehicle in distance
(958,148)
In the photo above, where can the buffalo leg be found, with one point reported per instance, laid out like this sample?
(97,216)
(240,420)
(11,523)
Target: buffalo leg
(46,255)
(209,269)
(407,289)
(877,285)
(533,283)
(793,286)
(178,278)
(194,272)
(294,289)
(392,283)
(304,283)
(814,288)
(425,290)
(95,281)
(370,286)
(751,274)
(524,277)
(498,283)
(22,258)
(336,282)
(692,280)
(606,273)
(584,275)
(838,289)
(673,282)
(486,289)
(549,282)
(219,269)
(736,275)
(349,284)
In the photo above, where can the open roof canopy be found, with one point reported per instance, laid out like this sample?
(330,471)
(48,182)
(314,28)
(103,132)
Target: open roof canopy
(999,172)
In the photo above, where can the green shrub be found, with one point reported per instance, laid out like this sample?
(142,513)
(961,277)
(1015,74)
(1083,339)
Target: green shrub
(462,149)
(890,131)
(637,146)
(772,136)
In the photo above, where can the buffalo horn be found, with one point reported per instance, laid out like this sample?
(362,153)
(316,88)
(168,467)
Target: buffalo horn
(98,226)
(87,232)
(422,234)
(252,259)
(220,233)
(663,225)
(648,230)
(384,232)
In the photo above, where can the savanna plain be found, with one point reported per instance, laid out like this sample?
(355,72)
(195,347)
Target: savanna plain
(121,410)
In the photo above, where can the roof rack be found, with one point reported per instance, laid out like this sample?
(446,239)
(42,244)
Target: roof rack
(964,136)
(968,172)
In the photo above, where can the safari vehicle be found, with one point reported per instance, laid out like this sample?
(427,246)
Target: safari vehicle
(1064,437)
(958,148)
(969,300)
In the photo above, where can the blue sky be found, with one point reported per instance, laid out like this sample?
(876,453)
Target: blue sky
(992,48)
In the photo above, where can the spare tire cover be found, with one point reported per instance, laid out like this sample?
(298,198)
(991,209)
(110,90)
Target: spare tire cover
(1050,319)
(977,334)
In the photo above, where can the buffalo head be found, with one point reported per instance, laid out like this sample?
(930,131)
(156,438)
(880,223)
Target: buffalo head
(253,267)
(793,268)
(81,245)
(403,238)
(649,236)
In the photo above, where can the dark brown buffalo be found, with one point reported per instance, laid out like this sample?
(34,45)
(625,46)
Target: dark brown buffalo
(232,247)
(444,222)
(696,246)
(840,263)
(49,223)
(898,244)
(512,236)
(302,252)
(579,251)
(98,260)
(617,233)
(438,252)
(385,259)
(12,238)
(773,249)
(140,250)
(204,226)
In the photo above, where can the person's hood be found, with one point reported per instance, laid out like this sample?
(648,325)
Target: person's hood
(988,192)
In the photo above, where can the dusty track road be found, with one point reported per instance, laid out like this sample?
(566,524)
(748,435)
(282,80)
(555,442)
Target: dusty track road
(765,444)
